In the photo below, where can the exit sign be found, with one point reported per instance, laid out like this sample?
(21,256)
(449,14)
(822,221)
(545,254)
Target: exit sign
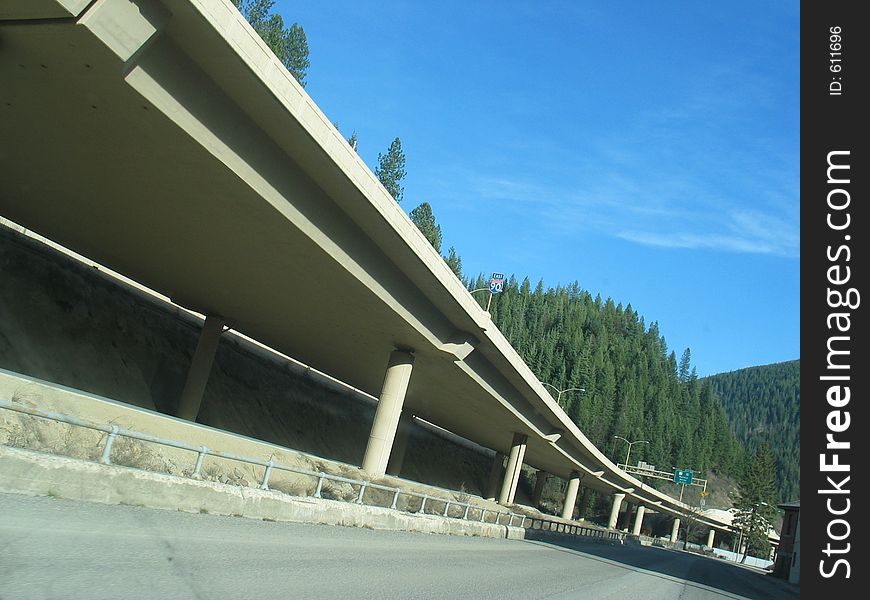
(683,476)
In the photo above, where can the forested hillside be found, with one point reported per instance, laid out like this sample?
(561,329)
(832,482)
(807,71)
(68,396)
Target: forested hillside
(634,385)
(763,404)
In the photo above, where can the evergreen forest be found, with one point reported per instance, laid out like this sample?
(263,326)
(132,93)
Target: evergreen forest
(763,406)
(633,384)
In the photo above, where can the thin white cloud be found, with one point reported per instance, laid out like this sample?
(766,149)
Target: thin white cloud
(674,214)
(690,176)
(748,231)
(701,241)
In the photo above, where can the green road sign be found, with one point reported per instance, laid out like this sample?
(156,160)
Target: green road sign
(683,476)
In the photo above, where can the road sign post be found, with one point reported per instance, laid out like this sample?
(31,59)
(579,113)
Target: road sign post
(684,478)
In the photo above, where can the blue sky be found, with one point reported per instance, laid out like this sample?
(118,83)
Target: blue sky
(649,151)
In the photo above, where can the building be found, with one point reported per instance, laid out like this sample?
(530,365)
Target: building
(788,562)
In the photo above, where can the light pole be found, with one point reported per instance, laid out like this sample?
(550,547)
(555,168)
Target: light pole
(488,302)
(560,392)
(630,444)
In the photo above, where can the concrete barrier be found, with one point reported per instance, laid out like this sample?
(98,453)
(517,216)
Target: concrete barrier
(35,473)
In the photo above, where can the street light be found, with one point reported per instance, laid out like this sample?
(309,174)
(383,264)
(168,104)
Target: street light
(560,392)
(488,302)
(630,444)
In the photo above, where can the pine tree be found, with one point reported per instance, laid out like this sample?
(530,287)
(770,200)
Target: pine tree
(756,501)
(424,219)
(685,366)
(391,170)
(454,262)
(296,52)
(289,45)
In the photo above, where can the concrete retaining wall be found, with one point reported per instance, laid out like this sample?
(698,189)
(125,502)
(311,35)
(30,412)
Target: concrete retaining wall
(32,392)
(65,320)
(33,473)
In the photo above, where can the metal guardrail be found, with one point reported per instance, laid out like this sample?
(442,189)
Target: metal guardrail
(466,510)
(572,529)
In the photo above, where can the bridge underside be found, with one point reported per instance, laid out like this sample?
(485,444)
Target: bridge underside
(148,166)
(163,140)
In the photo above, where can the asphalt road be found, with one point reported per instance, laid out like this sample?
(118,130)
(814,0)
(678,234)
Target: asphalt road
(51,548)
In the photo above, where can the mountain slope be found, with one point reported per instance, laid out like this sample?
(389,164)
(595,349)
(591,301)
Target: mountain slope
(623,378)
(763,404)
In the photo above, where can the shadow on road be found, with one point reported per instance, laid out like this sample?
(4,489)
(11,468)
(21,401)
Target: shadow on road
(706,573)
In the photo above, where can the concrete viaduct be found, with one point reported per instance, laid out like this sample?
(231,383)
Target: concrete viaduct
(163,139)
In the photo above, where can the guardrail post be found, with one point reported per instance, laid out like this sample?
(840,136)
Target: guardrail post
(482,514)
(197,470)
(395,499)
(423,505)
(465,514)
(446,508)
(265,484)
(319,485)
(106,458)
(362,490)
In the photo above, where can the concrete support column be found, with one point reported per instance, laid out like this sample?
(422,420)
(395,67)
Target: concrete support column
(638,519)
(614,510)
(675,531)
(512,471)
(571,496)
(400,444)
(387,413)
(710,537)
(496,474)
(200,367)
(540,481)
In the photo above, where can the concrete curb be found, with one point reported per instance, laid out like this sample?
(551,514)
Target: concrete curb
(39,474)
